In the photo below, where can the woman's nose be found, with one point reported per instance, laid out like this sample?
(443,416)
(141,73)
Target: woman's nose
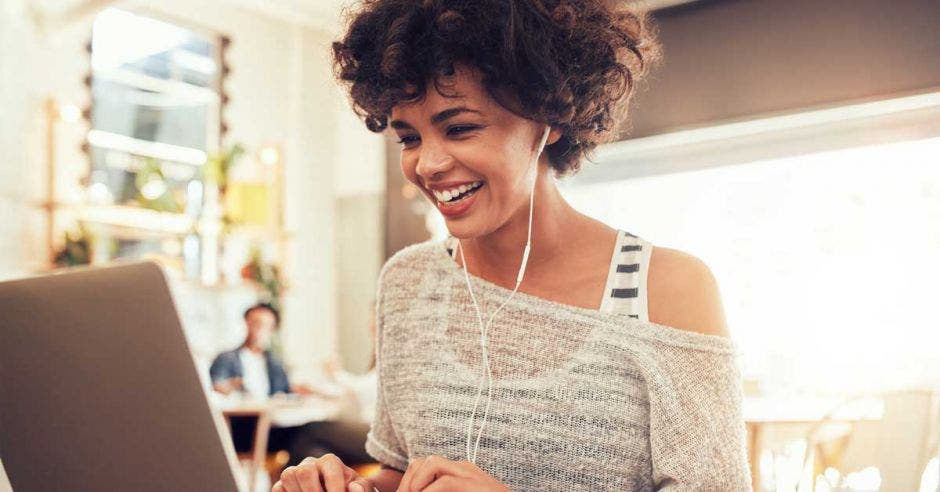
(433,160)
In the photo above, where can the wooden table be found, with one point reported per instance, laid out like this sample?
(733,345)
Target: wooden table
(765,411)
(277,412)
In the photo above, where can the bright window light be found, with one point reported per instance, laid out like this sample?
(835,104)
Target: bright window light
(828,263)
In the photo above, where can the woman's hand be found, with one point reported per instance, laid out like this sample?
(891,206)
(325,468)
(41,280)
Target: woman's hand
(324,474)
(436,474)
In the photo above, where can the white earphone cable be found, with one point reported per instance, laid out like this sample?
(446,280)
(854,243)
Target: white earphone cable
(487,375)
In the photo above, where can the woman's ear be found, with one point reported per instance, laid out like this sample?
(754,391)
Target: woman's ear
(553,136)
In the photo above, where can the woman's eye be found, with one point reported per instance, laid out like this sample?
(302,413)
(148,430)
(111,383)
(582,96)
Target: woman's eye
(460,129)
(408,140)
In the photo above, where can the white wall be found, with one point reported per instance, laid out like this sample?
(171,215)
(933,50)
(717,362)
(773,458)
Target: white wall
(360,156)
(281,91)
(359,181)
(32,67)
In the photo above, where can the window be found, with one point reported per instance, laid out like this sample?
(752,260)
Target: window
(827,262)
(155,117)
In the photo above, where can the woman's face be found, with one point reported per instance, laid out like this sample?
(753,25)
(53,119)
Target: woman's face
(470,156)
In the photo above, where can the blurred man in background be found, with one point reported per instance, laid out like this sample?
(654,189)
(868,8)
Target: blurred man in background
(252,368)
(256,373)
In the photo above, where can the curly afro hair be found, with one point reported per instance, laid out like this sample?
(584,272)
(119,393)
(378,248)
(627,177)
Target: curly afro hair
(572,64)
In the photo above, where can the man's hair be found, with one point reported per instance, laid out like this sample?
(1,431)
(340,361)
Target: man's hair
(269,307)
(572,64)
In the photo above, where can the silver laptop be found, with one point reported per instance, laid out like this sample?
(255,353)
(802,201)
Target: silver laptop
(98,390)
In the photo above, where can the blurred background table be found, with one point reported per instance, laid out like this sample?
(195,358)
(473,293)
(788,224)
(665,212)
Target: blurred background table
(761,412)
(276,412)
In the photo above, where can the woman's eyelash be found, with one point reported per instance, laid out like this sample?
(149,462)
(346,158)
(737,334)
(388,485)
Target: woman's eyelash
(458,129)
(454,130)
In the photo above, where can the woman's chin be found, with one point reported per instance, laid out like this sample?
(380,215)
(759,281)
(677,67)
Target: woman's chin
(463,228)
(459,231)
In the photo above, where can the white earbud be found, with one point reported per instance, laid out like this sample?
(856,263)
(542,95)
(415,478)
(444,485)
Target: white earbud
(484,328)
(528,242)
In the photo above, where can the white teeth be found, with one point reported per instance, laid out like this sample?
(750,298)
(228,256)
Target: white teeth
(448,195)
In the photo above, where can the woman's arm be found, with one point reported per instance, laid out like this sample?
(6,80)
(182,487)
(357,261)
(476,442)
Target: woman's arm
(697,431)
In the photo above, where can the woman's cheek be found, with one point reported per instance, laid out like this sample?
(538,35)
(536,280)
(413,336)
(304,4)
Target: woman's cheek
(408,170)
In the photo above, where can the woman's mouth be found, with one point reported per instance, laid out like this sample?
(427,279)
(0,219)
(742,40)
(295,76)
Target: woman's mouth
(456,201)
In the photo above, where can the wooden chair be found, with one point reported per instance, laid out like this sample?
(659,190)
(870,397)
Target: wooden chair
(899,445)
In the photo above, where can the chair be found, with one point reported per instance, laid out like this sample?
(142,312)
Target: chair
(899,445)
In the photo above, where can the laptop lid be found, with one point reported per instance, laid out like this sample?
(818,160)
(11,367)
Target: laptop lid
(99,390)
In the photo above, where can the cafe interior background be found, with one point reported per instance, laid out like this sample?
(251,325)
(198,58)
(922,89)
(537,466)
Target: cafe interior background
(793,146)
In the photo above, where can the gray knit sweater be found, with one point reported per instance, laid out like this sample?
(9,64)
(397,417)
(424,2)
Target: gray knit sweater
(582,399)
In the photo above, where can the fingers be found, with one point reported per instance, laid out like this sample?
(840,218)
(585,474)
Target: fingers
(298,478)
(444,484)
(364,484)
(423,471)
(308,477)
(408,477)
(333,472)
(290,481)
(326,474)
(434,468)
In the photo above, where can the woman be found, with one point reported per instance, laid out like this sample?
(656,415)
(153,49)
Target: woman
(537,348)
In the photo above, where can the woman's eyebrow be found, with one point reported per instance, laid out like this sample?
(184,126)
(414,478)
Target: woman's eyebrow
(450,113)
(437,118)
(400,125)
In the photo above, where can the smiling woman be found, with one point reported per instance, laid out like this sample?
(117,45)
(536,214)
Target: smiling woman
(464,149)
(573,63)
(536,348)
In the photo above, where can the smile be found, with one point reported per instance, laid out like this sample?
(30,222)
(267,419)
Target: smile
(457,194)
(456,202)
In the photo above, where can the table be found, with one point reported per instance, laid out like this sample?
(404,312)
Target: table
(764,411)
(278,412)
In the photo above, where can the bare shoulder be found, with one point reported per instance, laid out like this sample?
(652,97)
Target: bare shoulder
(683,293)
